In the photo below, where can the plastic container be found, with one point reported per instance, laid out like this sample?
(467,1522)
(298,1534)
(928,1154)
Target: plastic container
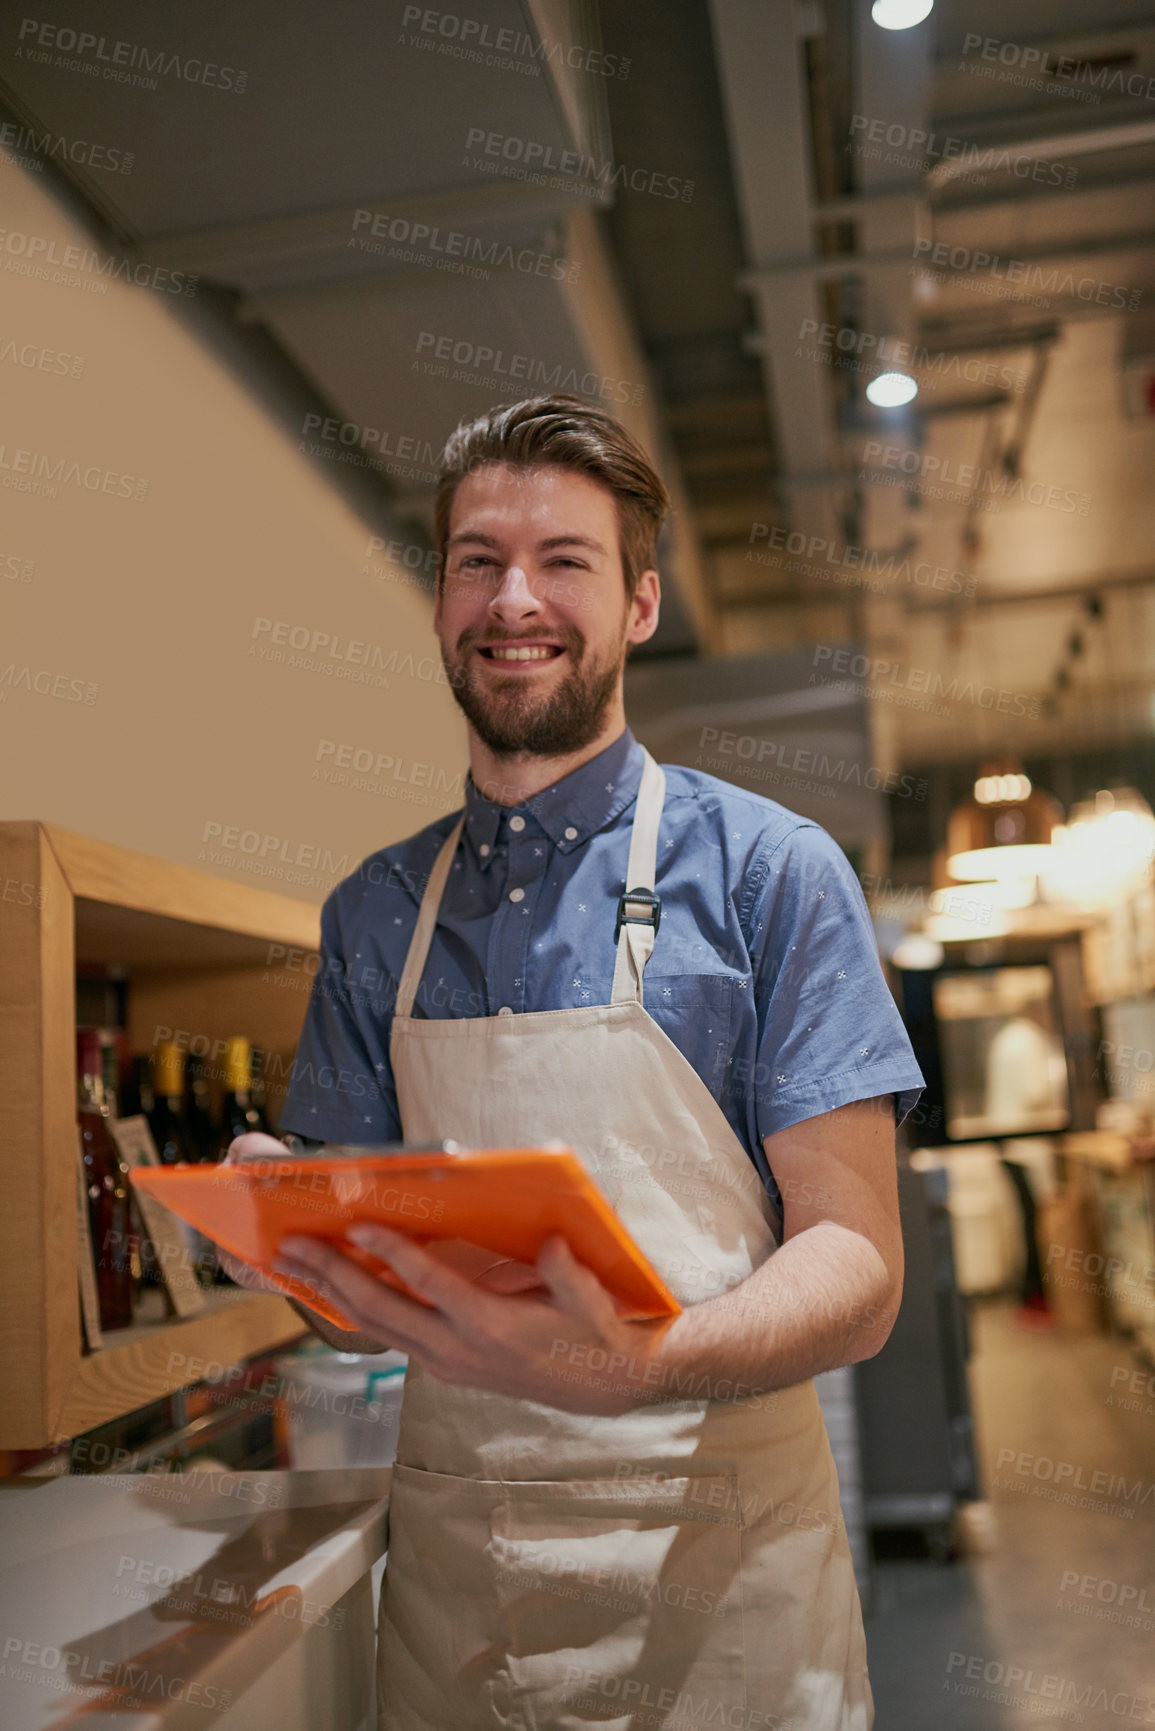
(340,1409)
(984,1213)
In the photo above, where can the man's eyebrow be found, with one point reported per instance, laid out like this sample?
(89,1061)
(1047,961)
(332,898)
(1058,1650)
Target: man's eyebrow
(547,546)
(572,541)
(471,535)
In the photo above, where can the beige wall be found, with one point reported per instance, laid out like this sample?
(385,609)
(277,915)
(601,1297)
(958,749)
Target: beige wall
(155,601)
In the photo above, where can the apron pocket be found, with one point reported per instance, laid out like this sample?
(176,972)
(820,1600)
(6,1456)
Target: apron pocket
(620,1601)
(438,1658)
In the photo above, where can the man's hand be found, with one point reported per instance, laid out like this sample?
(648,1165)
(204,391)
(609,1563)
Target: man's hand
(255,1145)
(563,1344)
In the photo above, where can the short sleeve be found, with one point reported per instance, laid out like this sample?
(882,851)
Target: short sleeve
(829,1031)
(341,1088)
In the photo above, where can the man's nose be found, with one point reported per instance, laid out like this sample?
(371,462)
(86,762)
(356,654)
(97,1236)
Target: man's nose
(514,597)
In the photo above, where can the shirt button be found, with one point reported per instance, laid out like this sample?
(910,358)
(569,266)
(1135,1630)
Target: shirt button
(571,833)
(517,895)
(517,824)
(505,1010)
(483,850)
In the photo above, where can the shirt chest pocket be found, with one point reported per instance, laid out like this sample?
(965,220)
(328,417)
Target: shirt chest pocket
(689,990)
(699,1011)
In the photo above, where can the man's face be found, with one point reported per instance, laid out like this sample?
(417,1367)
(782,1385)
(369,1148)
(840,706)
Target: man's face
(532,615)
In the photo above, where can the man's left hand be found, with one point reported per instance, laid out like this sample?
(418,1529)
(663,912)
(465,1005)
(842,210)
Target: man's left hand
(562,1344)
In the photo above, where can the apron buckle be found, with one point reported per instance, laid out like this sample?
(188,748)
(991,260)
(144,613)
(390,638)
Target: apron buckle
(639,898)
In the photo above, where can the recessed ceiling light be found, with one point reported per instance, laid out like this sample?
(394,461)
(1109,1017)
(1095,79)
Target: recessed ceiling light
(900,14)
(891,390)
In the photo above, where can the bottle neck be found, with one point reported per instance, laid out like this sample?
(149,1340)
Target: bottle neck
(90,1094)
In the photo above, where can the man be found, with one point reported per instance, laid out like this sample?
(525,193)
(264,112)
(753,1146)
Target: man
(595,1520)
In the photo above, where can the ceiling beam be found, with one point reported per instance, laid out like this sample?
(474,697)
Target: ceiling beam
(766,105)
(308,246)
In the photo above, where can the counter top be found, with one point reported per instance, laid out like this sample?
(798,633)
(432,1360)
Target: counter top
(151,1601)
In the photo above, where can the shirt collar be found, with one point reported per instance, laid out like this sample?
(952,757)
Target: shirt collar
(569,811)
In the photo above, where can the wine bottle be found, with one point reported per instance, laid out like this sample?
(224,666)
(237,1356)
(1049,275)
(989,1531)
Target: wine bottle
(139,1098)
(258,1092)
(114,1054)
(109,1069)
(175,1145)
(107,1186)
(202,1126)
(238,1114)
(140,1102)
(167,1120)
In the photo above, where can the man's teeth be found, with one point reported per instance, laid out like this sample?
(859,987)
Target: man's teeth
(522,654)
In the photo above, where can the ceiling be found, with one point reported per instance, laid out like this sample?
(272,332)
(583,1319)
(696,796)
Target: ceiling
(713,216)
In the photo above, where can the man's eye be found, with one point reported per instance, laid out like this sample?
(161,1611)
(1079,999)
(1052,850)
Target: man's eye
(476,559)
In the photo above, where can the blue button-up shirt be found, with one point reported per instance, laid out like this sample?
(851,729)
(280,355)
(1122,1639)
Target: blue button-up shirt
(764,973)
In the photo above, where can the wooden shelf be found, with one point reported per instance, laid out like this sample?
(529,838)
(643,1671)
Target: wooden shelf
(205,957)
(140,1364)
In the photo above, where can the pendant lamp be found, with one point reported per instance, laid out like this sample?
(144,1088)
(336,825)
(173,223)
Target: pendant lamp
(1003,828)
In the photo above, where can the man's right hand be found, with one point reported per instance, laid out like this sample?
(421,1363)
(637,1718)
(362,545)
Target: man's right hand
(255,1145)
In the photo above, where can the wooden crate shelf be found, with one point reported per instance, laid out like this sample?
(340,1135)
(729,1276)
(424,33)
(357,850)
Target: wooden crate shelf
(202,954)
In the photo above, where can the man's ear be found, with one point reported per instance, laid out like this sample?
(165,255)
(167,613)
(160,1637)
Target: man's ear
(645,608)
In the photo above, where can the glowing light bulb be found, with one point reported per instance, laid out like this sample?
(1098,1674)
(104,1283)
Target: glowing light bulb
(891,390)
(900,14)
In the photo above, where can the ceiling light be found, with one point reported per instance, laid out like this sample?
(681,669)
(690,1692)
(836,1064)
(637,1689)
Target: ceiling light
(891,390)
(981,898)
(996,789)
(957,929)
(900,14)
(1106,845)
(1003,830)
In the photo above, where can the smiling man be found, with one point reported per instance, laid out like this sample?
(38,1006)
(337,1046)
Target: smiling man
(597,1521)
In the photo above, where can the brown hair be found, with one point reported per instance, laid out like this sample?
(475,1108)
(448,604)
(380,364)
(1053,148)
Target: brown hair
(562,432)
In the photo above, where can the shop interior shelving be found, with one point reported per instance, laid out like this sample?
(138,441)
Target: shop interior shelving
(202,955)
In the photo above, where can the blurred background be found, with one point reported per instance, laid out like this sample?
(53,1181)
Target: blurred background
(873,284)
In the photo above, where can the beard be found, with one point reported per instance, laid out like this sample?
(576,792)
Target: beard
(512,720)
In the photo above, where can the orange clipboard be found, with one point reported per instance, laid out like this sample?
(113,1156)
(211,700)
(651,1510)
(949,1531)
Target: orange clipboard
(507,1200)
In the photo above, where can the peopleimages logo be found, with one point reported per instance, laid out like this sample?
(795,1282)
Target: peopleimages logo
(966,260)
(1014,1685)
(42,473)
(876,673)
(453,249)
(507,49)
(122,62)
(847,346)
(930,150)
(817,553)
(1032,66)
(108,157)
(528,158)
(39,256)
(480,363)
(990,486)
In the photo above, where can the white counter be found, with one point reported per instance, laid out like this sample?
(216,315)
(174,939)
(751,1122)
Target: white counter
(186,1600)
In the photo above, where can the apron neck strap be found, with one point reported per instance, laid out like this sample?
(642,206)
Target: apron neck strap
(426,920)
(635,941)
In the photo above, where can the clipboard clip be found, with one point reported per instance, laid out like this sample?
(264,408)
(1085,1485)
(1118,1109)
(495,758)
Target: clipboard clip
(638,898)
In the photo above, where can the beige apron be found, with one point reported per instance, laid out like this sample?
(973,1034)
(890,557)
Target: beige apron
(683,1565)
